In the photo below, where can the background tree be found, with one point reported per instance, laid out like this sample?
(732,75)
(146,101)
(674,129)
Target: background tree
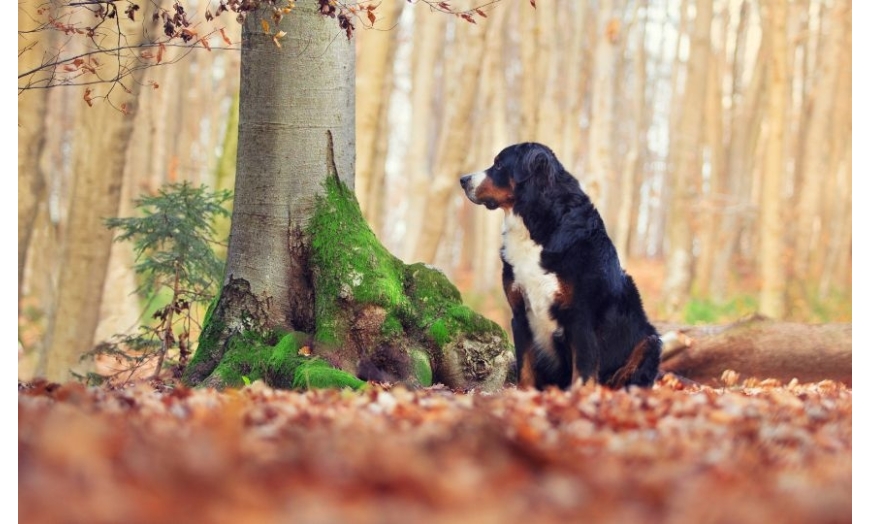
(772,297)
(98,164)
(688,161)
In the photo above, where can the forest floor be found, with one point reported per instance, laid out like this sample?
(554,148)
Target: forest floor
(756,452)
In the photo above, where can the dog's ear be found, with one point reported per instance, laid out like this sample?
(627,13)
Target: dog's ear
(538,162)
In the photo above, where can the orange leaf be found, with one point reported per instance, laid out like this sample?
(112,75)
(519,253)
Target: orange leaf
(265,24)
(204,43)
(480,12)
(160,50)
(372,17)
(88,98)
(278,35)
(224,36)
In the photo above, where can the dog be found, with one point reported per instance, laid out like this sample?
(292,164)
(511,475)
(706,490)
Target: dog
(577,315)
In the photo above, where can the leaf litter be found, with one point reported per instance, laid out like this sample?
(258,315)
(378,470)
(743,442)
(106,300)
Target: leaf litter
(752,452)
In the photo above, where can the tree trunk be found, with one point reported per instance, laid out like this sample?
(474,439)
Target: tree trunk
(461,93)
(550,113)
(629,196)
(529,96)
(761,348)
(373,87)
(31,134)
(289,97)
(711,209)
(100,154)
(600,171)
(688,163)
(745,128)
(772,298)
(428,47)
(310,297)
(575,79)
(485,259)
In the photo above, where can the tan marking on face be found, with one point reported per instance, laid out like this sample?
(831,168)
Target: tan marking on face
(487,191)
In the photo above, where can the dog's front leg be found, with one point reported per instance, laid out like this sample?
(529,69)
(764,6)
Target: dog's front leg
(523,339)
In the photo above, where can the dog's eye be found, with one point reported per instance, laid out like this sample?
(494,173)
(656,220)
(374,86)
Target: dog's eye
(496,164)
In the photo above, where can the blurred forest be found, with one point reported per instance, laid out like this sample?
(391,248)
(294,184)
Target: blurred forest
(714,136)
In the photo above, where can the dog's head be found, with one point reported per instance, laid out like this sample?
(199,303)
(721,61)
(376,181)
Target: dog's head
(517,166)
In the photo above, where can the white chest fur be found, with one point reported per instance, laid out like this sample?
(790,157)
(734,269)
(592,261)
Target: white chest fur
(537,286)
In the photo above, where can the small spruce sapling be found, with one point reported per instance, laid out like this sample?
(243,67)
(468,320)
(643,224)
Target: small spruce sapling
(173,242)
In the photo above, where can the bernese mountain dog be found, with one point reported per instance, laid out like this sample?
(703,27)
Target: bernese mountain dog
(576,313)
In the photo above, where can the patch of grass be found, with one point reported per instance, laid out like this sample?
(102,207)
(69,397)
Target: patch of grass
(705,311)
(836,308)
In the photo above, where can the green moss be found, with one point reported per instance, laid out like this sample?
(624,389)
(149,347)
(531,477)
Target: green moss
(284,359)
(430,284)
(246,356)
(358,269)
(370,309)
(439,333)
(207,355)
(422,367)
(392,327)
(316,373)
(439,308)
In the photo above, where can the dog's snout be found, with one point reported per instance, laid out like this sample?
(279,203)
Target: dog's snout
(464,181)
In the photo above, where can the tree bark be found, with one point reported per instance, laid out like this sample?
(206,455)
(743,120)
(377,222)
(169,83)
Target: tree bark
(711,209)
(550,113)
(485,236)
(576,78)
(744,130)
(629,196)
(461,93)
(289,98)
(772,297)
(429,38)
(816,162)
(688,163)
(31,135)
(760,348)
(376,46)
(100,155)
(599,170)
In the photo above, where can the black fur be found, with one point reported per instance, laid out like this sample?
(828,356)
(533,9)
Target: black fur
(603,332)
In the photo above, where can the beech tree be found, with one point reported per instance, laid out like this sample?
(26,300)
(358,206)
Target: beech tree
(307,287)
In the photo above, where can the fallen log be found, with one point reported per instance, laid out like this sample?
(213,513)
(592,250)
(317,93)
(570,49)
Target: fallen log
(761,348)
